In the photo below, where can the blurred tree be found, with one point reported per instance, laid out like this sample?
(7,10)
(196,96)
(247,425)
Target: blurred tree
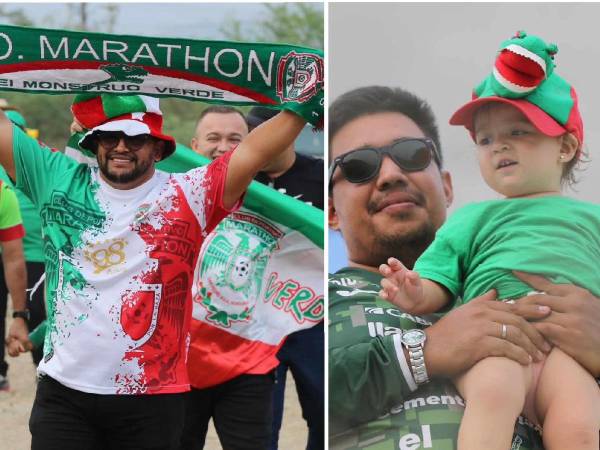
(48,113)
(51,114)
(15,17)
(95,17)
(287,23)
(99,18)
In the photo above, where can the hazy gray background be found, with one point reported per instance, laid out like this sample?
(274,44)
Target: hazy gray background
(440,51)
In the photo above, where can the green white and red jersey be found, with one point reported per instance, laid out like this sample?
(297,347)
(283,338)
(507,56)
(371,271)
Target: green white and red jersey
(119,268)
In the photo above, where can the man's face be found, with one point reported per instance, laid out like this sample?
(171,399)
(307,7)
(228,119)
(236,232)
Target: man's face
(394,214)
(124,168)
(217,133)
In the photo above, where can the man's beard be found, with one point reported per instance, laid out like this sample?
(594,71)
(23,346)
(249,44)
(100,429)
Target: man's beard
(139,169)
(405,246)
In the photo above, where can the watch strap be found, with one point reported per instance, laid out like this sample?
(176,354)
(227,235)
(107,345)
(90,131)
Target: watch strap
(23,314)
(406,372)
(417,362)
(417,359)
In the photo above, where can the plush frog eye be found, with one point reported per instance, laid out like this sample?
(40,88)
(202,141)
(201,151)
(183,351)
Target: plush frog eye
(522,64)
(552,49)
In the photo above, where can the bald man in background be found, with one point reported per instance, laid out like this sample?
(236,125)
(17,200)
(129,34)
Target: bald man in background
(219,129)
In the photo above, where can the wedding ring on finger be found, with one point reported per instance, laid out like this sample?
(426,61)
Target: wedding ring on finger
(503,333)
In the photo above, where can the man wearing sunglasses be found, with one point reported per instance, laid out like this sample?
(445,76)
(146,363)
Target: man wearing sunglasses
(388,195)
(121,244)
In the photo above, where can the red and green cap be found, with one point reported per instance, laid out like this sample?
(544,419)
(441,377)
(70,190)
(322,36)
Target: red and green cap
(523,76)
(130,114)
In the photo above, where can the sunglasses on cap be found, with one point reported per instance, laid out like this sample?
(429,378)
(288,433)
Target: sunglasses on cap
(363,164)
(110,139)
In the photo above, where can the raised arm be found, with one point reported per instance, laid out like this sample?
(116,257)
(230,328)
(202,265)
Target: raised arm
(260,147)
(6,145)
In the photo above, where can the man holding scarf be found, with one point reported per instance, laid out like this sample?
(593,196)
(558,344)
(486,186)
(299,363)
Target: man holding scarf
(121,244)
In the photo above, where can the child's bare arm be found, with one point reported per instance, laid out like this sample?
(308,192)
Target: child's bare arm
(405,289)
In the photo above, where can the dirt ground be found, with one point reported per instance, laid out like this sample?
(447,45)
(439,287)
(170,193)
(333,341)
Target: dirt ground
(15,406)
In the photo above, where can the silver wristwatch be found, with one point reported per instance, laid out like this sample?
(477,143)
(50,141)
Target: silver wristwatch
(414,341)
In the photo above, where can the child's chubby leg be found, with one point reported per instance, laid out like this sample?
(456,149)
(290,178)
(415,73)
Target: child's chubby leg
(494,390)
(568,403)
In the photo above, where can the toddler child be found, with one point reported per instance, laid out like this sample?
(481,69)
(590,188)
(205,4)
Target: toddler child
(525,122)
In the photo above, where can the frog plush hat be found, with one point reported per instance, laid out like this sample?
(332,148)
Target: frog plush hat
(523,76)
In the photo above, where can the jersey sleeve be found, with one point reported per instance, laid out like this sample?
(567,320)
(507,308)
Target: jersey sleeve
(205,187)
(365,380)
(446,259)
(366,376)
(11,226)
(38,168)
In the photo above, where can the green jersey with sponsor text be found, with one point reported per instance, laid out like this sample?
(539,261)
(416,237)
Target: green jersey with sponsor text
(370,404)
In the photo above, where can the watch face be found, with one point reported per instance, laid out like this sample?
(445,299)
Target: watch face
(413,337)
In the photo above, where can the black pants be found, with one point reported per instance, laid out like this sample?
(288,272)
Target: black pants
(66,419)
(241,410)
(36,306)
(302,353)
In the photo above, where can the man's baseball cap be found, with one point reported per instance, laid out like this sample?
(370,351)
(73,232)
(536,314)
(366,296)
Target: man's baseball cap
(259,114)
(523,76)
(130,114)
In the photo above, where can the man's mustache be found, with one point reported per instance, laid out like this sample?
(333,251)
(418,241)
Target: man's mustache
(129,156)
(395,195)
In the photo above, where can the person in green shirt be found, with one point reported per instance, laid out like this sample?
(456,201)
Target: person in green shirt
(33,246)
(13,280)
(527,148)
(390,371)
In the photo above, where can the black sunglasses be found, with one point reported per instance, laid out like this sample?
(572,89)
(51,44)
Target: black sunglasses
(110,140)
(363,164)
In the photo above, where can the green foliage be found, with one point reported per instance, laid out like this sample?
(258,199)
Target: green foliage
(286,23)
(50,114)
